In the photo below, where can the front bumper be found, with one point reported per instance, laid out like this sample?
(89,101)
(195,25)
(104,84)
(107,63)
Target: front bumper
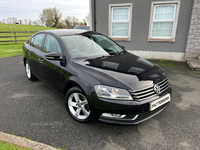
(127,112)
(130,119)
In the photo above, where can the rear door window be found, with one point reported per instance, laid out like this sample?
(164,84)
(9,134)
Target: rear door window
(51,45)
(37,43)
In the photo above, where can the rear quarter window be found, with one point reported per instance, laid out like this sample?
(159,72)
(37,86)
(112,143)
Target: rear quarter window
(31,41)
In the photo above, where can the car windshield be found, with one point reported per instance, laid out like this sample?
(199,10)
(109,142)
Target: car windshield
(85,46)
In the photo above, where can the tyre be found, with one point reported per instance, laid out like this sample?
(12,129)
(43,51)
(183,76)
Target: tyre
(77,105)
(29,73)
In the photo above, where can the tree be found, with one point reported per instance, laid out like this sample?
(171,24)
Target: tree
(50,17)
(34,23)
(81,24)
(38,22)
(61,25)
(57,16)
(71,21)
(75,21)
(14,20)
(68,22)
(3,21)
(87,18)
(9,20)
(85,22)
(30,22)
(20,21)
(25,21)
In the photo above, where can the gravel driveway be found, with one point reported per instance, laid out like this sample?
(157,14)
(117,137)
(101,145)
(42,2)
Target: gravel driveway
(35,111)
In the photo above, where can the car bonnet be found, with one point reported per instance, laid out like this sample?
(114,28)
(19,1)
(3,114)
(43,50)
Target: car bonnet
(124,71)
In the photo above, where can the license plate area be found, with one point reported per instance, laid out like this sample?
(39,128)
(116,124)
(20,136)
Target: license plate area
(161,101)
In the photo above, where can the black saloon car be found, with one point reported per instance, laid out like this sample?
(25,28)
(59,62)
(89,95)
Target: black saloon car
(96,76)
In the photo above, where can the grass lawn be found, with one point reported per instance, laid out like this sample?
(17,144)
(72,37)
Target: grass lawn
(168,63)
(10,50)
(13,27)
(9,146)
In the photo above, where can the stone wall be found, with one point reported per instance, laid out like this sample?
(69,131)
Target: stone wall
(193,41)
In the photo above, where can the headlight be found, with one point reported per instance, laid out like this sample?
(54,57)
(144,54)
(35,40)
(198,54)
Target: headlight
(112,93)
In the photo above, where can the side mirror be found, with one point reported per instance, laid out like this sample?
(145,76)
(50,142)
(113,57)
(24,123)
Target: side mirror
(53,56)
(123,47)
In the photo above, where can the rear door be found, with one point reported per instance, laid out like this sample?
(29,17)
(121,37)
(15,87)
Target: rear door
(34,54)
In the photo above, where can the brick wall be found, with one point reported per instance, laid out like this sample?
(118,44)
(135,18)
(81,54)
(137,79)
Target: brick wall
(193,41)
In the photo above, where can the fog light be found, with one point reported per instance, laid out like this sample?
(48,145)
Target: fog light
(120,116)
(113,115)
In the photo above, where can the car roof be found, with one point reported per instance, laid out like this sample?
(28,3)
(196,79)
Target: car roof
(66,32)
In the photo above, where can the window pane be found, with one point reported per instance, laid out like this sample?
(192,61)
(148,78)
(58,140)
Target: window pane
(164,9)
(126,11)
(120,29)
(168,33)
(162,29)
(154,33)
(37,43)
(115,17)
(170,15)
(171,9)
(120,13)
(120,17)
(51,45)
(164,12)
(157,16)
(32,40)
(157,9)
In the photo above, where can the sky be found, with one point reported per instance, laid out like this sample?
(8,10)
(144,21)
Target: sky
(31,9)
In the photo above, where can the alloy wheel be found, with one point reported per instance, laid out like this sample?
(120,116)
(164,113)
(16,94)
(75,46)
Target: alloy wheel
(28,70)
(78,106)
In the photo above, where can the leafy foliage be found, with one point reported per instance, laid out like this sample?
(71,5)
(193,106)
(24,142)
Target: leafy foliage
(50,16)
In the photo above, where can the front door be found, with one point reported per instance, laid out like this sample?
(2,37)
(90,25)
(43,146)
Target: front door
(53,72)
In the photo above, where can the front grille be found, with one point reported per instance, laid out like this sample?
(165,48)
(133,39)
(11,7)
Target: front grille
(147,114)
(146,93)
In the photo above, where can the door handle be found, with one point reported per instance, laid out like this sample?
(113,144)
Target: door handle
(41,60)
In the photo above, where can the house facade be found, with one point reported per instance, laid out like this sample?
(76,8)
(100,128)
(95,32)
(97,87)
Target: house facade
(153,29)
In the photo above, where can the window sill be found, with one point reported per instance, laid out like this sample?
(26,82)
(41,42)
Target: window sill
(120,39)
(160,40)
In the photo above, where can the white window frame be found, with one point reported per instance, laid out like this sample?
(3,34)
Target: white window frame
(174,20)
(110,21)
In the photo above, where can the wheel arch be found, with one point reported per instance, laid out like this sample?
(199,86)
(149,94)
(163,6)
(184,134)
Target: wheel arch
(86,84)
(24,60)
(72,84)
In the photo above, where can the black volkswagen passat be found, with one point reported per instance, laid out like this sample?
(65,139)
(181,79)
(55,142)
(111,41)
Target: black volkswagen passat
(96,76)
